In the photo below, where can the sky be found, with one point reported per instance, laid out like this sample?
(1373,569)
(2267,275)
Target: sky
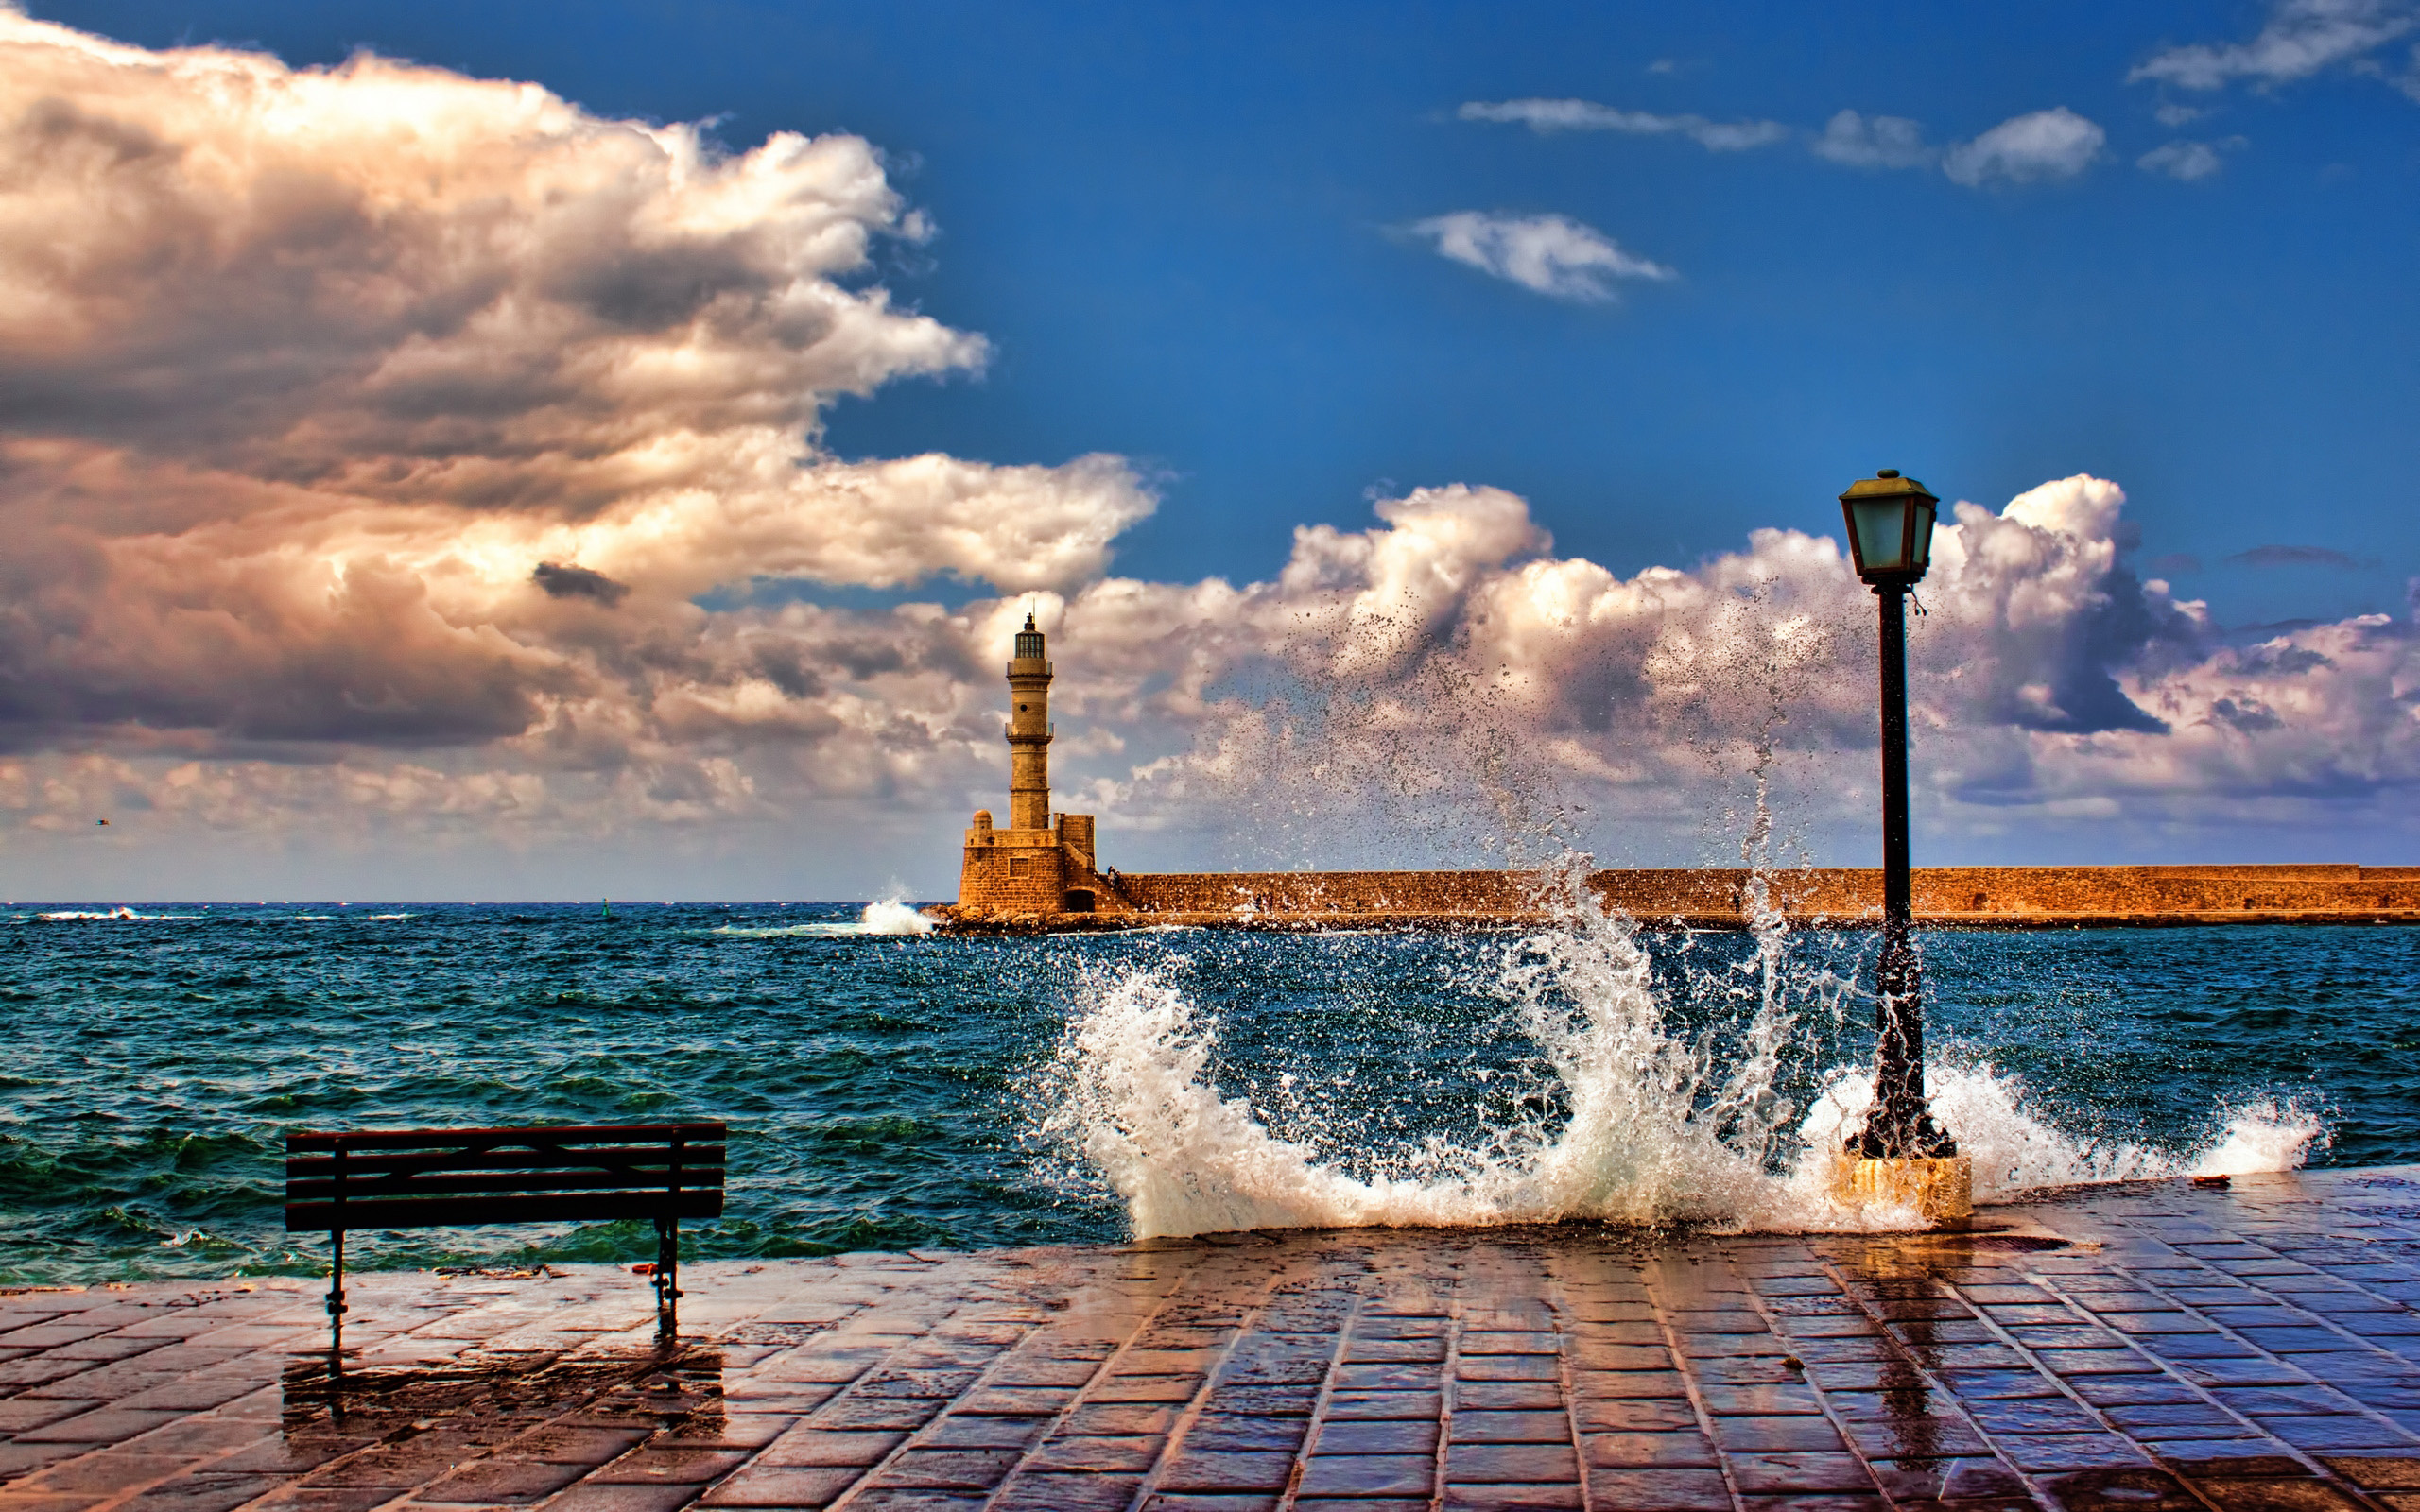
(535,450)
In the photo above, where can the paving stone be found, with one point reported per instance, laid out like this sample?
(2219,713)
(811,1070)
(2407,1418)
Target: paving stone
(670,1466)
(1760,1400)
(107,1471)
(1097,1455)
(501,1482)
(1064,1493)
(2274,1495)
(1682,1451)
(1908,1438)
(2043,1453)
(1526,1464)
(1660,1490)
(2106,1490)
(100,1425)
(1145,1388)
(1348,1406)
(595,1496)
(19,1414)
(1218,1470)
(2336,1431)
(954,1469)
(1791,1432)
(324,1499)
(781,1487)
(1508,1367)
(1910,1480)
(1508,1395)
(202,1492)
(1493,1498)
(1629,1385)
(2033,1414)
(1400,1437)
(1792,1474)
(1511,1428)
(1361,1475)
(1642,1416)
(1244,1433)
(828,1447)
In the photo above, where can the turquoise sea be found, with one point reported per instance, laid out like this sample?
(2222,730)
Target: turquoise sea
(897,1091)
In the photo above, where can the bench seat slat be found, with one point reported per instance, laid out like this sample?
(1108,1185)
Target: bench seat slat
(637,1156)
(441,1212)
(458,1137)
(304,1189)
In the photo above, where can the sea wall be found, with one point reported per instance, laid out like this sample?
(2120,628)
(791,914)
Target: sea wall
(1716,898)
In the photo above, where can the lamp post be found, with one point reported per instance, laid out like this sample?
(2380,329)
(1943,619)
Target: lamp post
(1902,1156)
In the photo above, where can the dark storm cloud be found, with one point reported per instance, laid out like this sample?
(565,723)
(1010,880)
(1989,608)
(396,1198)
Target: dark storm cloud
(579,582)
(2295,556)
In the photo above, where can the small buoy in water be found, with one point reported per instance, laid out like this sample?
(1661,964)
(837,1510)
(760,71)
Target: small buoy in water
(2212,1183)
(643,1268)
(100,821)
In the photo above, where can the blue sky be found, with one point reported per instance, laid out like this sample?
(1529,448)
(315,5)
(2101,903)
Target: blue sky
(1182,227)
(1272,258)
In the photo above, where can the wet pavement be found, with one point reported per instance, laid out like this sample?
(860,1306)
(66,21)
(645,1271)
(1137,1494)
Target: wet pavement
(2149,1346)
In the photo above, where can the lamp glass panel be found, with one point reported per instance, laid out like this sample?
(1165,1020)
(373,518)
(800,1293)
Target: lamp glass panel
(1881,534)
(1921,557)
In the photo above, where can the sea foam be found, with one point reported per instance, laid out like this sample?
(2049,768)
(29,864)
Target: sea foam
(1656,1124)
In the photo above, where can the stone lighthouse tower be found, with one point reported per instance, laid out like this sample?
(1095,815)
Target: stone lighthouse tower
(1029,732)
(1041,863)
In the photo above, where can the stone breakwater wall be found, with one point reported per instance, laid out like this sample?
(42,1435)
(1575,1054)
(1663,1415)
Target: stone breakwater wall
(1717,898)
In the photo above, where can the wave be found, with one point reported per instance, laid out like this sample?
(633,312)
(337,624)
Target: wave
(1655,1125)
(889,916)
(64,915)
(892,915)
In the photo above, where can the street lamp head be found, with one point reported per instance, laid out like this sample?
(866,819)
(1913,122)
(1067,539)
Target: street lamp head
(1890,520)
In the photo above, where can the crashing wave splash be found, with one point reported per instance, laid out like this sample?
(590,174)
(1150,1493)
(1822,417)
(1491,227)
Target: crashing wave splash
(887,916)
(1659,1130)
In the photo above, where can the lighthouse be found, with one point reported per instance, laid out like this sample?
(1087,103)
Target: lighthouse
(1029,732)
(1041,863)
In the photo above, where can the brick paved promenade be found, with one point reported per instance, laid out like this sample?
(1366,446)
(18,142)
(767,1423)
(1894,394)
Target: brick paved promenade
(2256,1348)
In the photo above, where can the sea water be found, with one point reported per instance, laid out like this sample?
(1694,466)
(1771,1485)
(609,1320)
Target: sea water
(889,1088)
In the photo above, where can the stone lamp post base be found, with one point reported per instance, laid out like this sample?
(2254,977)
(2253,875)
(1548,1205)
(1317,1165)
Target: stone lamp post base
(1941,1190)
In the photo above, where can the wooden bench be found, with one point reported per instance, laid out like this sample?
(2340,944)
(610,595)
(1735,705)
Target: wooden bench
(338,1182)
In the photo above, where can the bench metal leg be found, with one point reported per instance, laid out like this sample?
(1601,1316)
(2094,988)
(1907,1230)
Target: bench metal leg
(335,1310)
(667,1279)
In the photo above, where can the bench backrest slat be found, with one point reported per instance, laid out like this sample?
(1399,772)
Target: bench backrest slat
(445,1213)
(617,1157)
(314,1189)
(408,1179)
(387,1139)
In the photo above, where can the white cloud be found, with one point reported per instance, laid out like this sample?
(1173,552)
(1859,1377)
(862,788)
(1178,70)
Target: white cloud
(2301,38)
(1873,142)
(1551,254)
(1546,117)
(2053,144)
(2188,161)
(376,407)
(1445,667)
(2172,114)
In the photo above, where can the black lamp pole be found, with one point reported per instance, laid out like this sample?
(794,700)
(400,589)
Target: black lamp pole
(1891,521)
